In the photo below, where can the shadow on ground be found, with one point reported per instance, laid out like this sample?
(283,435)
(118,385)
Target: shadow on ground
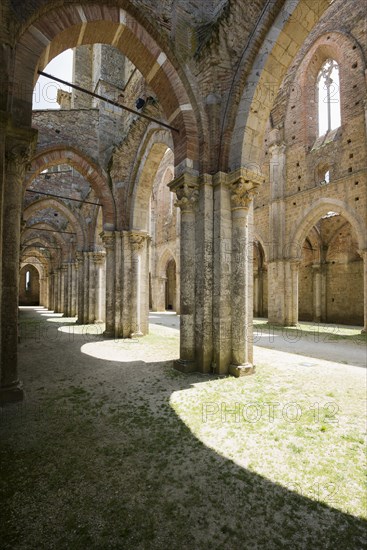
(96,457)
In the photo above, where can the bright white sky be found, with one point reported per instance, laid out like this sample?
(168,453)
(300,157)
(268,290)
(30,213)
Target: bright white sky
(45,91)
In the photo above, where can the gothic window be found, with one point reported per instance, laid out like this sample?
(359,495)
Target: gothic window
(28,280)
(328,89)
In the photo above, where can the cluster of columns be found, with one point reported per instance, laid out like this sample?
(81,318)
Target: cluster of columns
(216,271)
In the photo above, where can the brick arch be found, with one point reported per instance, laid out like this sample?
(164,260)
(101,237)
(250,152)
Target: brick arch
(87,168)
(73,25)
(313,214)
(151,153)
(246,120)
(57,205)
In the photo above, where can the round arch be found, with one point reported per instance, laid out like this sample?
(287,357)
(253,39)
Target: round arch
(313,214)
(58,29)
(54,156)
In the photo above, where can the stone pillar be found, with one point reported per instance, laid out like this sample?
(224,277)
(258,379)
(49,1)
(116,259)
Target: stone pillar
(64,289)
(74,289)
(316,293)
(256,294)
(19,145)
(363,253)
(59,303)
(99,259)
(137,242)
(52,292)
(108,238)
(292,318)
(80,273)
(187,192)
(158,293)
(92,287)
(242,190)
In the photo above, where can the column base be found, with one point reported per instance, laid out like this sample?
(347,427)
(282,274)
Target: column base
(364,331)
(241,370)
(11,394)
(108,334)
(136,334)
(184,366)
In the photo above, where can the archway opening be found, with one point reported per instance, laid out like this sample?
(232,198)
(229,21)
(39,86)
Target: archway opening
(260,288)
(29,286)
(171,292)
(330,287)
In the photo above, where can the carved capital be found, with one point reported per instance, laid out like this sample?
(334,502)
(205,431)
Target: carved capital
(137,240)
(243,185)
(108,239)
(187,191)
(18,155)
(98,257)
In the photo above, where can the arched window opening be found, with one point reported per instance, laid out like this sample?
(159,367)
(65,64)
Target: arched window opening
(28,281)
(328,88)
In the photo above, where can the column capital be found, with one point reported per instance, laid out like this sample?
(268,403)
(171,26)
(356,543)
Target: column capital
(186,188)
(20,146)
(243,184)
(108,239)
(98,257)
(137,239)
(363,253)
(295,263)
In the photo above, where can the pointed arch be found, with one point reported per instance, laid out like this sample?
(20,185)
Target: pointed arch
(96,177)
(313,214)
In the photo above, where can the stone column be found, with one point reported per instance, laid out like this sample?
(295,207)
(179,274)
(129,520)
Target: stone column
(19,145)
(108,238)
(242,190)
(158,293)
(137,242)
(316,292)
(99,262)
(187,192)
(74,289)
(64,289)
(59,303)
(52,292)
(292,316)
(256,294)
(363,253)
(92,287)
(80,301)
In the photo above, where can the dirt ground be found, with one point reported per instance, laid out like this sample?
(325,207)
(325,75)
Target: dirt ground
(113,449)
